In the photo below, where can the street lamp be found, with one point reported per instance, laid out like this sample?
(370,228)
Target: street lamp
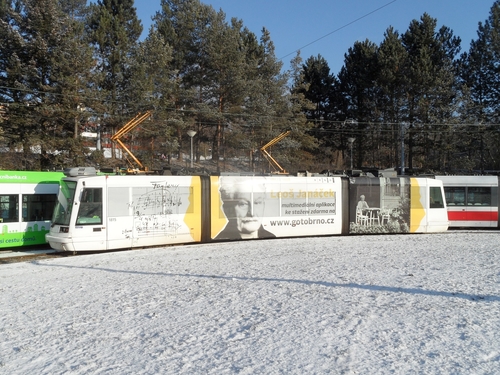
(351,141)
(98,143)
(191,134)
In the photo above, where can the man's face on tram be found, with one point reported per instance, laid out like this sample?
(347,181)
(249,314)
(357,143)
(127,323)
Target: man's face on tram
(249,208)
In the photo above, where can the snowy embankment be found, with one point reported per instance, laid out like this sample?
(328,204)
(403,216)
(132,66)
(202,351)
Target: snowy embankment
(406,304)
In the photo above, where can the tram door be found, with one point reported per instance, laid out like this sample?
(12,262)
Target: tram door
(89,222)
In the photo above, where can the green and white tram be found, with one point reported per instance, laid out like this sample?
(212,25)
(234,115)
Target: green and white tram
(27,201)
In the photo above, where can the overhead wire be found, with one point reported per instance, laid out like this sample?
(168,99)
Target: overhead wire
(335,126)
(125,117)
(340,28)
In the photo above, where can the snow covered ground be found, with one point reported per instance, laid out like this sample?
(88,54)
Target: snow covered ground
(402,304)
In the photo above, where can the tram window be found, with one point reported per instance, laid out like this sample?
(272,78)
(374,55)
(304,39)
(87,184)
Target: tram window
(9,208)
(436,198)
(455,196)
(38,206)
(90,211)
(479,196)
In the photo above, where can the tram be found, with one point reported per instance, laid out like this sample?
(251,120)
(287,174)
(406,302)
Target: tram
(27,201)
(96,213)
(472,200)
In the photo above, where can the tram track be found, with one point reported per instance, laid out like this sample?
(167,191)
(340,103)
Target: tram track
(28,258)
(24,255)
(19,256)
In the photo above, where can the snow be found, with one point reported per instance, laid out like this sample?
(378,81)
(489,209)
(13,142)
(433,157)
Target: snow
(403,304)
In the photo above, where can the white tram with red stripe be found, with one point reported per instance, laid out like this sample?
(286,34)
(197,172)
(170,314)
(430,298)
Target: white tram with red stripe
(472,200)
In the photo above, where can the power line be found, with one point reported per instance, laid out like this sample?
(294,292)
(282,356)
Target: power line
(339,126)
(340,28)
(11,107)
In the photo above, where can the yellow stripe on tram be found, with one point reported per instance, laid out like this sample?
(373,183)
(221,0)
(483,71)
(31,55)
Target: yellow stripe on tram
(417,211)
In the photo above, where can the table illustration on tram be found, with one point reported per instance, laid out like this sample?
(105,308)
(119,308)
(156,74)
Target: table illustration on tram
(368,216)
(373,214)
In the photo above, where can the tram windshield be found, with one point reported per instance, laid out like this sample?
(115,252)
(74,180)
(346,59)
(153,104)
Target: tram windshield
(65,199)
(90,211)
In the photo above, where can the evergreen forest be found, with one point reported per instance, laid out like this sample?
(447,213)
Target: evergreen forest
(72,75)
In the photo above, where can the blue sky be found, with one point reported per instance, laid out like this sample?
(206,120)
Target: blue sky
(295,24)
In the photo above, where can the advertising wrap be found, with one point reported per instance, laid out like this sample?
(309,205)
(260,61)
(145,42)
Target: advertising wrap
(267,207)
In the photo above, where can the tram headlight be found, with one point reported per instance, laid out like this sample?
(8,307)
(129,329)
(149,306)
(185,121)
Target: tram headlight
(64,230)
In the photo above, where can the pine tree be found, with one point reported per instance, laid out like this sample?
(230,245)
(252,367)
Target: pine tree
(431,87)
(392,59)
(44,62)
(184,25)
(113,30)
(358,84)
(154,84)
(313,153)
(478,72)
(318,86)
